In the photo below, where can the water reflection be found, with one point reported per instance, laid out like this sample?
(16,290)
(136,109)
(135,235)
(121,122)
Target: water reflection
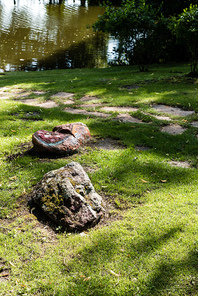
(37,35)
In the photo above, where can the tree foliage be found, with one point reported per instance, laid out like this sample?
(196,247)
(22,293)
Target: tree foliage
(135,24)
(185,27)
(144,30)
(170,7)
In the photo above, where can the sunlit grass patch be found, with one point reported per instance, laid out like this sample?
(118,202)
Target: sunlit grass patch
(148,243)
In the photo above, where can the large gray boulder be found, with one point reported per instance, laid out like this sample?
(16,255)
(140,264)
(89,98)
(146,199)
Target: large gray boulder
(68,197)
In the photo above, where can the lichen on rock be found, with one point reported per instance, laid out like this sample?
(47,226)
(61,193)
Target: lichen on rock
(68,197)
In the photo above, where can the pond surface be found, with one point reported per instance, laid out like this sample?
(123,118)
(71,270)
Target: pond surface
(36,35)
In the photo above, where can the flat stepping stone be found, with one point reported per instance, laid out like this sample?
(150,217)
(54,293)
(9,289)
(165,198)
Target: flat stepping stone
(91,105)
(14,91)
(37,103)
(172,110)
(21,95)
(47,104)
(4,88)
(4,97)
(173,129)
(162,117)
(68,102)
(127,118)
(17,90)
(4,93)
(119,109)
(159,117)
(194,123)
(39,92)
(31,102)
(88,98)
(62,95)
(181,164)
(84,112)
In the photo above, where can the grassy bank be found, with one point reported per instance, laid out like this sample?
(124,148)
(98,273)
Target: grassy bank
(149,243)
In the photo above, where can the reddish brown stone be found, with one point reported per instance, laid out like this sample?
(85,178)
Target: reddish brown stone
(65,138)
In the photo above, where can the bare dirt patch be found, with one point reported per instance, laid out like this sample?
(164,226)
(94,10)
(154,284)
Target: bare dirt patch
(24,148)
(4,271)
(41,224)
(33,116)
(105,144)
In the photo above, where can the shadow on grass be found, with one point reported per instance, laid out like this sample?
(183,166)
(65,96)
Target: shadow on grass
(166,273)
(122,172)
(136,276)
(149,135)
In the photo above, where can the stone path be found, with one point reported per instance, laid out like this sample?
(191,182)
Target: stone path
(172,110)
(173,129)
(181,164)
(91,106)
(84,112)
(119,109)
(194,123)
(127,118)
(62,95)
(88,98)
(93,103)
(38,103)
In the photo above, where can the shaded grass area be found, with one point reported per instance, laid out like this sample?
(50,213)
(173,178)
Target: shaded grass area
(148,245)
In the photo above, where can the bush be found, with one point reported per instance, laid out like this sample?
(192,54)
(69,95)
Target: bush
(185,27)
(134,24)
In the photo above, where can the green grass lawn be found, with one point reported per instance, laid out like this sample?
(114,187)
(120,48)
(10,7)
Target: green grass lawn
(148,245)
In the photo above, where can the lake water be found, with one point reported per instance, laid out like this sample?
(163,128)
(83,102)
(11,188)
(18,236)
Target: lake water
(36,35)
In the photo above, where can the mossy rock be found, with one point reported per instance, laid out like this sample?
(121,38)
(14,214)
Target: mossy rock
(68,197)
